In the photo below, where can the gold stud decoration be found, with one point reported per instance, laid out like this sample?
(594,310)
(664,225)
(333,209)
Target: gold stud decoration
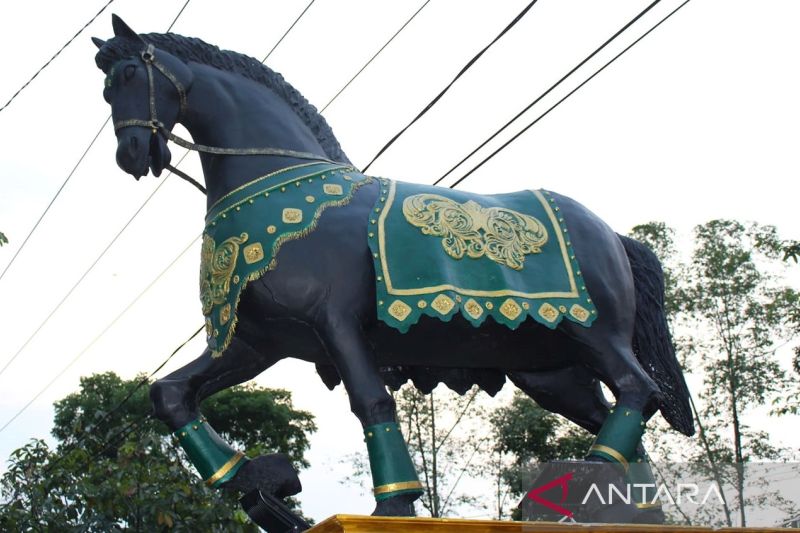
(225,314)
(253,253)
(579,312)
(334,189)
(310,199)
(271,229)
(510,309)
(443,303)
(291,215)
(399,310)
(422,304)
(548,312)
(473,309)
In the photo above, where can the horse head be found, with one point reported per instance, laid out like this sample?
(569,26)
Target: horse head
(147,90)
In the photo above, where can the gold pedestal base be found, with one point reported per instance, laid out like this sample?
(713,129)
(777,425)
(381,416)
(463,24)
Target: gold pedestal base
(342,523)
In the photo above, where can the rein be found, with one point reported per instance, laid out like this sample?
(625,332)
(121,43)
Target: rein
(156,126)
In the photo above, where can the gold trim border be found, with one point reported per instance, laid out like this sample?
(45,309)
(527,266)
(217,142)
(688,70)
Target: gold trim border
(611,452)
(219,474)
(469,292)
(268,189)
(392,487)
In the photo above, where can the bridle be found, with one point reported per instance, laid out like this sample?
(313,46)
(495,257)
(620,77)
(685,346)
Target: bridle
(156,126)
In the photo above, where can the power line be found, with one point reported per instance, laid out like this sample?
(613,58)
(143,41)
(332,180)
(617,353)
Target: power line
(178,16)
(82,157)
(105,250)
(287,31)
(548,91)
(122,402)
(447,88)
(357,74)
(573,91)
(55,55)
(52,201)
(87,271)
(97,338)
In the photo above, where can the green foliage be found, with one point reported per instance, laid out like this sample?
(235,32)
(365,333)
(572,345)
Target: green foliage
(734,313)
(3,239)
(526,433)
(140,481)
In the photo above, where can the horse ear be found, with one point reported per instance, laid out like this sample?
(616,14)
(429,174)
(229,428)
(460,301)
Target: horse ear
(98,42)
(123,30)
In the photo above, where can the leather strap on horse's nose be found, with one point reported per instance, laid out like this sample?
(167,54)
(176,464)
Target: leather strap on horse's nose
(149,58)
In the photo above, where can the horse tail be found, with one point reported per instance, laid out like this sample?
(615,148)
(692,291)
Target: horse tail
(652,342)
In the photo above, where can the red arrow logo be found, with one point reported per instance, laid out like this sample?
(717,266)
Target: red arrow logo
(534,494)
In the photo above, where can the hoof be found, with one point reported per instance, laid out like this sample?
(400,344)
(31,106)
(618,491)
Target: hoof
(271,474)
(400,505)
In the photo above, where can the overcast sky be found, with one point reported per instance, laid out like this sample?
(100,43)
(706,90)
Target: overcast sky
(698,121)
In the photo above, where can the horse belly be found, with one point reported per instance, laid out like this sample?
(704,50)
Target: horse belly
(458,344)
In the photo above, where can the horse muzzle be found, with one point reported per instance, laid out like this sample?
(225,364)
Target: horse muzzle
(140,150)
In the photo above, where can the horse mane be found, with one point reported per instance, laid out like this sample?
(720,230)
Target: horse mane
(193,49)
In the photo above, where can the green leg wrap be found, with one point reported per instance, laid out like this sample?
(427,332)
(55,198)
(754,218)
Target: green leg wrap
(214,459)
(619,436)
(641,473)
(393,472)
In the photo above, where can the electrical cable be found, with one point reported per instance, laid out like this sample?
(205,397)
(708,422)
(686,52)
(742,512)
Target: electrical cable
(82,157)
(573,91)
(86,272)
(127,397)
(80,354)
(357,74)
(287,31)
(548,91)
(47,63)
(97,338)
(447,87)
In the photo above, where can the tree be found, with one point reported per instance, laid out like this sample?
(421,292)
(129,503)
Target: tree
(735,314)
(123,472)
(524,432)
(445,450)
(3,239)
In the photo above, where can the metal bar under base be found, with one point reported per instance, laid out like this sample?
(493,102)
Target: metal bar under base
(270,514)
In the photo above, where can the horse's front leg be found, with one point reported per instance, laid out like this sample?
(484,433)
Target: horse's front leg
(176,399)
(395,482)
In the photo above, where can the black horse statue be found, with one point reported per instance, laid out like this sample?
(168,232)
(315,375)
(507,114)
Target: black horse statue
(309,285)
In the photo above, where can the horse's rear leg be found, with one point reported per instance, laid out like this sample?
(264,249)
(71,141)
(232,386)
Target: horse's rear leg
(176,400)
(610,357)
(394,478)
(572,392)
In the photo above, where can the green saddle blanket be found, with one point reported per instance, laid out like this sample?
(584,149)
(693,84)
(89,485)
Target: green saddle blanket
(246,228)
(441,251)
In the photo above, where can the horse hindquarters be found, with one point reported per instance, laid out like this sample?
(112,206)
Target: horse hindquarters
(608,343)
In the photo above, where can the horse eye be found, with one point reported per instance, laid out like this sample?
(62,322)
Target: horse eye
(129,72)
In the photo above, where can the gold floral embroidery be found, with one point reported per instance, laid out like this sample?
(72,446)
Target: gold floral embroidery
(503,235)
(216,266)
